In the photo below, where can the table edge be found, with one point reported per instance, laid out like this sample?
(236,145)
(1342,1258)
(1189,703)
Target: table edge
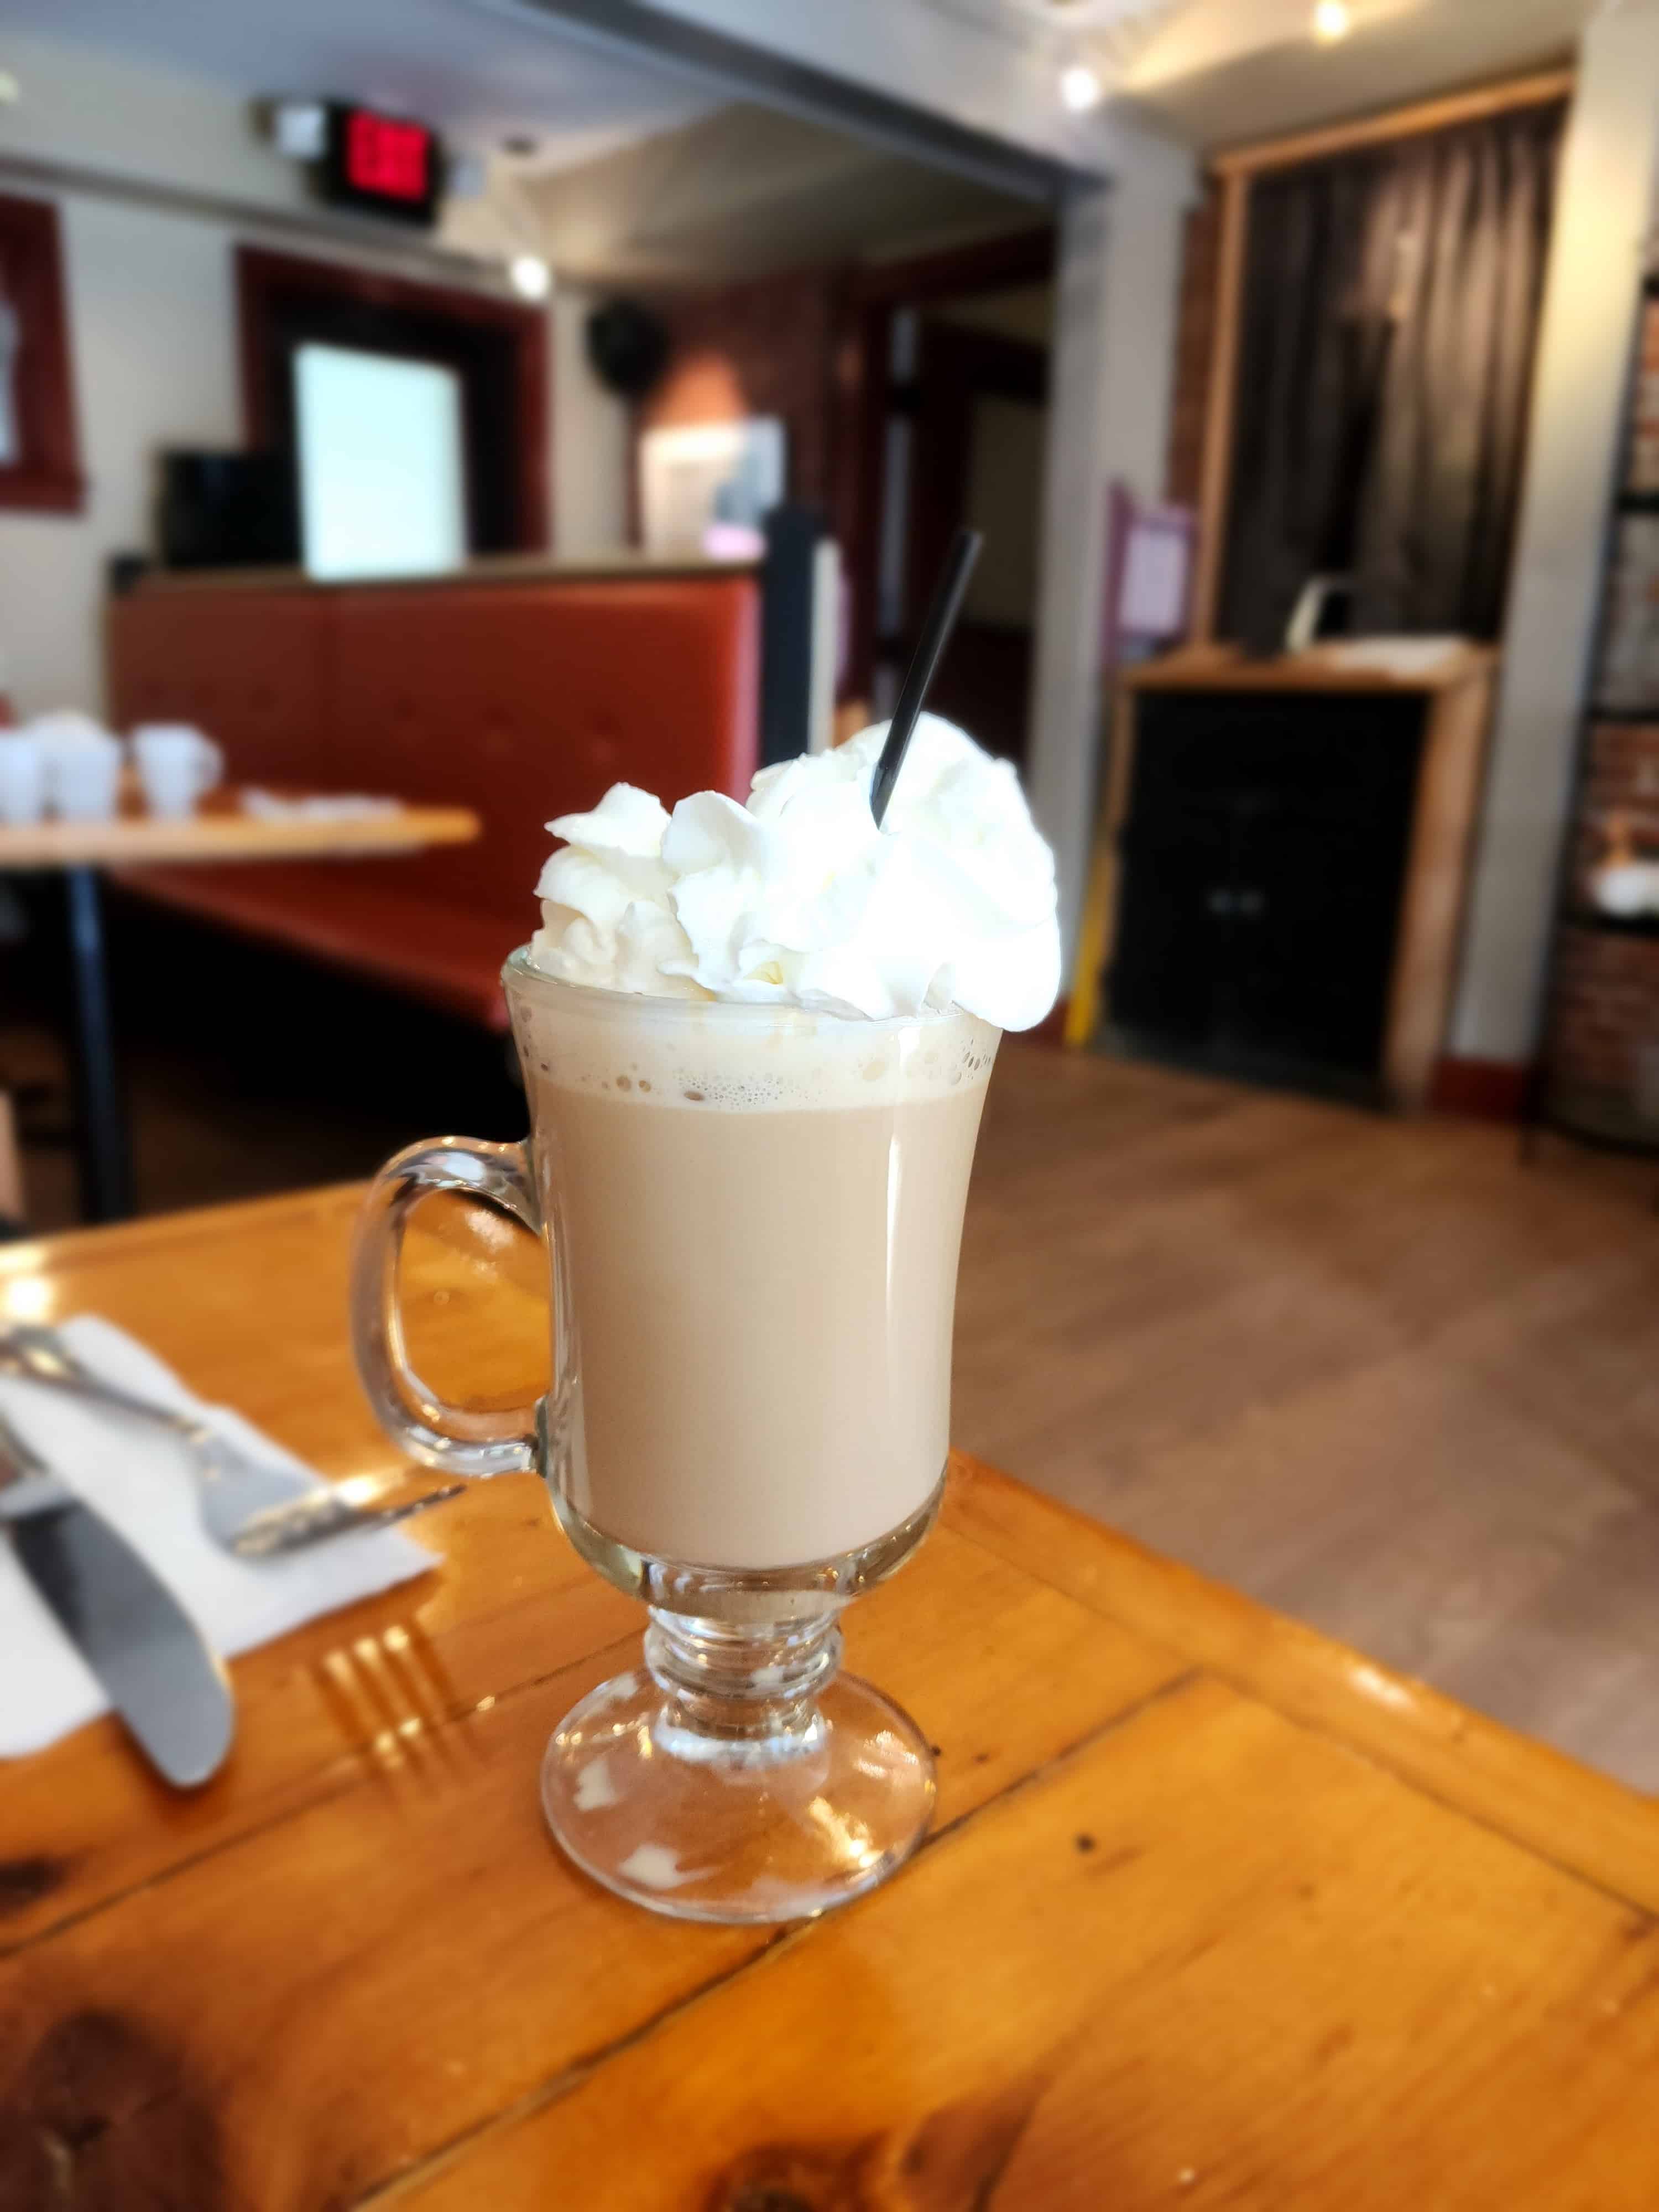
(1580,1819)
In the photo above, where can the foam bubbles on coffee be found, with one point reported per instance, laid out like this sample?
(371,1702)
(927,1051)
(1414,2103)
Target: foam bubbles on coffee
(756,1059)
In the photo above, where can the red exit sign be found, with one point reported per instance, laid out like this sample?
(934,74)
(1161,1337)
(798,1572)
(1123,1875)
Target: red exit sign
(384,162)
(382,155)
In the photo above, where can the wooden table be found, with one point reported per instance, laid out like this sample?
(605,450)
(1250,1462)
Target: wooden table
(1215,1912)
(219,831)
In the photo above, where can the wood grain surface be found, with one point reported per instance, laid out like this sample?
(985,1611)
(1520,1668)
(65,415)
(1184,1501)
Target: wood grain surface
(1215,1912)
(1327,667)
(221,831)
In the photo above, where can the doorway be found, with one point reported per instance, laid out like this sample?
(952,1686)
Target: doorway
(953,430)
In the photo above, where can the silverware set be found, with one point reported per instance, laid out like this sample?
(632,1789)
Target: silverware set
(161,1677)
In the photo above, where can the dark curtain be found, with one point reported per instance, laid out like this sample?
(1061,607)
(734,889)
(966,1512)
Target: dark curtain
(1389,308)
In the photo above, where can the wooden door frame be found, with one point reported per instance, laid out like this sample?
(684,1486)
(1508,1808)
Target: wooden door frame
(46,477)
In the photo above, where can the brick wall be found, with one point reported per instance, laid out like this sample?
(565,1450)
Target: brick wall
(1605,1016)
(764,348)
(1195,333)
(1621,779)
(1605,1010)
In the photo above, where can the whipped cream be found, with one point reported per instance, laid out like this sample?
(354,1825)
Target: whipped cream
(798,897)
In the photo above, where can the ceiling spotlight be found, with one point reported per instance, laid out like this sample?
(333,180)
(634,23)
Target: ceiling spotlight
(1332,20)
(1080,88)
(530,276)
(9,88)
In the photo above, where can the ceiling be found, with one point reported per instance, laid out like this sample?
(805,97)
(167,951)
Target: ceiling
(745,191)
(635,173)
(480,74)
(1219,72)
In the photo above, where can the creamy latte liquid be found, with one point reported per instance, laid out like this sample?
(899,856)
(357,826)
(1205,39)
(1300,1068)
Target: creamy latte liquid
(759,1211)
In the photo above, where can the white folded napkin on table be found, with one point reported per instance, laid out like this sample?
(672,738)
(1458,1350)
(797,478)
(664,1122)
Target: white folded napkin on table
(139,1478)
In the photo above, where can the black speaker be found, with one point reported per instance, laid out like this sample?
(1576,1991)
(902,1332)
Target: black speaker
(228,511)
(628,346)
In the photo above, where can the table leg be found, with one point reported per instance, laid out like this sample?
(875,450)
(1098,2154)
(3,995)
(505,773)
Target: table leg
(105,1144)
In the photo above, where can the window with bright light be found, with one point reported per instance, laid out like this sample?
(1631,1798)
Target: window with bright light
(382,463)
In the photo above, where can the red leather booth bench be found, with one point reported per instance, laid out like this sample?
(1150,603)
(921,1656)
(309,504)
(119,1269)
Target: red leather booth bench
(522,693)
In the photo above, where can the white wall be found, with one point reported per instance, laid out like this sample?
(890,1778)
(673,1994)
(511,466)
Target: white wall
(152,313)
(1110,377)
(1602,220)
(591,448)
(152,327)
(152,316)
(79,104)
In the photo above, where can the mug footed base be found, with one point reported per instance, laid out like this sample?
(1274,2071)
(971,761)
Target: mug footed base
(703,1824)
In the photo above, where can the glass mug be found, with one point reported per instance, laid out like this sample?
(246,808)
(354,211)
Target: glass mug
(753,1216)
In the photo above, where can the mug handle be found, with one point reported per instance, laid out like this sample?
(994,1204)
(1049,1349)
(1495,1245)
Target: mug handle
(418,1421)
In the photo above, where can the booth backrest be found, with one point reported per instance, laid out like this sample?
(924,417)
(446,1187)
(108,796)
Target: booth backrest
(521,699)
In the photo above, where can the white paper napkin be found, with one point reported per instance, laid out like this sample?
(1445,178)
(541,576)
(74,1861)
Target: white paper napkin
(139,1479)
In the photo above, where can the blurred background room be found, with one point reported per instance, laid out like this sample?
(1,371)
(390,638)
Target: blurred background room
(449,410)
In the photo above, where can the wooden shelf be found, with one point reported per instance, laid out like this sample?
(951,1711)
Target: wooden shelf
(1332,666)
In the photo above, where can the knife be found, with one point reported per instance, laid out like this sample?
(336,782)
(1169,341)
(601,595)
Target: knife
(157,1669)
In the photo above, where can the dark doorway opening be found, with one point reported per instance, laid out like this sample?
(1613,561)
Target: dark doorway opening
(945,369)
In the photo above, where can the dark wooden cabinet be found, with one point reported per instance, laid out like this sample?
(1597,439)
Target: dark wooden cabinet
(1262,861)
(1280,876)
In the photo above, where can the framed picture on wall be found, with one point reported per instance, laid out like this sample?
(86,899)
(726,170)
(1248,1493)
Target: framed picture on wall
(39,454)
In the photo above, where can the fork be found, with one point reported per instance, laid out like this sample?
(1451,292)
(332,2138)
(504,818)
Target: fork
(253,1509)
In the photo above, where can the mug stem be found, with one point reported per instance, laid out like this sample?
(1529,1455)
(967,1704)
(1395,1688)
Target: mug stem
(753,1683)
(738,1775)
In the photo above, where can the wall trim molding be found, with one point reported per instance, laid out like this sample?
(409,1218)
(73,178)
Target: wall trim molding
(46,475)
(1481,1090)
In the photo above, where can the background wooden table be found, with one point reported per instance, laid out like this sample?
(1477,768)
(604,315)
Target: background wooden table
(1215,1912)
(221,831)
(218,831)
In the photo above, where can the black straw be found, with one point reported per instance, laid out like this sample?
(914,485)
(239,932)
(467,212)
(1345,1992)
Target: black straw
(924,666)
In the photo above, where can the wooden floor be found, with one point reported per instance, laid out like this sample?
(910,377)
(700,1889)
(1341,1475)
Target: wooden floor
(1374,1372)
